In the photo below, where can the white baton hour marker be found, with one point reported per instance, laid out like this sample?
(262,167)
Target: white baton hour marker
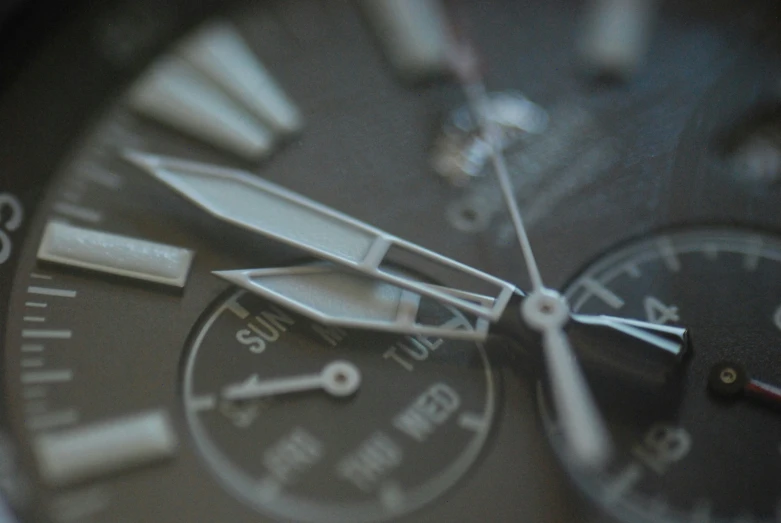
(115,254)
(413,33)
(615,36)
(214,89)
(96,450)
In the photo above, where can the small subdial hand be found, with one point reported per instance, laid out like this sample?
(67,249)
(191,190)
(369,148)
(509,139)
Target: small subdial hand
(338,378)
(730,380)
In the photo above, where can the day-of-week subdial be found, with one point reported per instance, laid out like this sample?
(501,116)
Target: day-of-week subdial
(280,405)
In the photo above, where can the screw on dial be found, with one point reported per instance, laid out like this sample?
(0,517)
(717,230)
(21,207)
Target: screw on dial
(731,380)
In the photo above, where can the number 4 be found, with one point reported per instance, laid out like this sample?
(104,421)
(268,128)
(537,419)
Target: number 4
(658,312)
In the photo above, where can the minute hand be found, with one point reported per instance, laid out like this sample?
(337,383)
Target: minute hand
(259,206)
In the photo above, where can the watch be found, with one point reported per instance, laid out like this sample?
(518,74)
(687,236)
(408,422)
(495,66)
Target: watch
(294,261)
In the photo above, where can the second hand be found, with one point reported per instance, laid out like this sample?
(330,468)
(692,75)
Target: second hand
(544,309)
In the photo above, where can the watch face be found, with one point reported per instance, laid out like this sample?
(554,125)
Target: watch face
(257,263)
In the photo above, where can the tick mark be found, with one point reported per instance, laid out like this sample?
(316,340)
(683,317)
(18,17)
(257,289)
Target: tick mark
(47,376)
(600,291)
(49,291)
(53,420)
(669,256)
(78,212)
(50,334)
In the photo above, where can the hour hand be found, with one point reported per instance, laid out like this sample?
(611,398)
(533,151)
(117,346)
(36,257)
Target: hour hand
(338,379)
(341,298)
(347,299)
(259,206)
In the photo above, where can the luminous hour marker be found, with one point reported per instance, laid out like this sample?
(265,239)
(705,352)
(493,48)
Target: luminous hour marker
(115,254)
(109,447)
(217,91)
(413,33)
(616,36)
(600,291)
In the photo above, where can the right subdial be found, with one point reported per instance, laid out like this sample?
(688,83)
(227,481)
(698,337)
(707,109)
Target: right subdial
(704,445)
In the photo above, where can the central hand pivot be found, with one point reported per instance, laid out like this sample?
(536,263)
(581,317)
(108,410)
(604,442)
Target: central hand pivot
(545,309)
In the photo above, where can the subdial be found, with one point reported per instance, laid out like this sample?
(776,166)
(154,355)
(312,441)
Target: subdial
(682,446)
(318,423)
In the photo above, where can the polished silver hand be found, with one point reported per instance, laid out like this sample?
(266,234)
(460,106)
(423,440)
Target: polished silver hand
(544,309)
(338,378)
